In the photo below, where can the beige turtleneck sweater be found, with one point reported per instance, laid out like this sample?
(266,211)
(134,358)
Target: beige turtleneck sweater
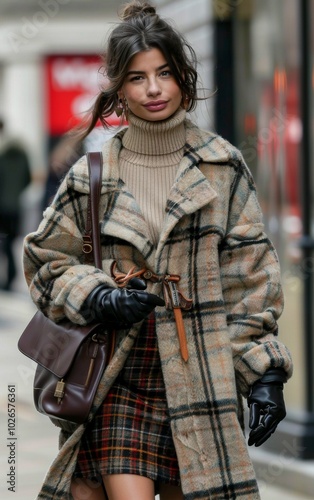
(148,163)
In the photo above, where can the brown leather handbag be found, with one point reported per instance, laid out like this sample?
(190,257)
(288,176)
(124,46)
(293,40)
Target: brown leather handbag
(71,358)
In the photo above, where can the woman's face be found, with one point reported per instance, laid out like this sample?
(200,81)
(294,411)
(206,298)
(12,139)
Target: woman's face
(150,88)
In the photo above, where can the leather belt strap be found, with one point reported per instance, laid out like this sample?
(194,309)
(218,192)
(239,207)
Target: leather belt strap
(174,299)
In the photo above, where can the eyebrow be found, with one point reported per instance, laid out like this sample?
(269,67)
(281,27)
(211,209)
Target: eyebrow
(143,72)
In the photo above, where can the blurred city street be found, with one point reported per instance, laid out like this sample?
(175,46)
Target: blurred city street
(255,88)
(36,438)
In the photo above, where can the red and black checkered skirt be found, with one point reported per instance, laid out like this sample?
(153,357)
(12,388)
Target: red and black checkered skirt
(131,433)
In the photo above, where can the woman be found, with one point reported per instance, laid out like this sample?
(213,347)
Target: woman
(197,326)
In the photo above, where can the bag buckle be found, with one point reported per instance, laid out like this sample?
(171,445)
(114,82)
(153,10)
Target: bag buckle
(59,390)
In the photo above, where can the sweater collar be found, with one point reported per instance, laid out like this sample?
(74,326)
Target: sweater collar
(155,138)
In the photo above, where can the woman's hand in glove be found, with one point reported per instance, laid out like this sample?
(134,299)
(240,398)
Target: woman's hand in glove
(121,307)
(267,406)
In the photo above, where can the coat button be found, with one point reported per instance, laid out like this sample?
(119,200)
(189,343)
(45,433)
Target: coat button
(147,275)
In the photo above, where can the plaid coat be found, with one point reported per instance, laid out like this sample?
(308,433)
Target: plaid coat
(213,238)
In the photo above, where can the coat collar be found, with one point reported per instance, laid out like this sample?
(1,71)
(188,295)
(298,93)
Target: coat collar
(201,147)
(190,192)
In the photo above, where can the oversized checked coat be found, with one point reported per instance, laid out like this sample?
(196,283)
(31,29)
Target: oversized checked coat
(213,238)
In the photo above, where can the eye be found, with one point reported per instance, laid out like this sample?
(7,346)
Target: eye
(166,72)
(136,78)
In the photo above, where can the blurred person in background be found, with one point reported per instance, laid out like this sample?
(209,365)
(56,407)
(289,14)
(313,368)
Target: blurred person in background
(15,176)
(64,154)
(196,320)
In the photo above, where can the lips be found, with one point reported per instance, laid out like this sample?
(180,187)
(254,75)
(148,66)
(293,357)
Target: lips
(155,105)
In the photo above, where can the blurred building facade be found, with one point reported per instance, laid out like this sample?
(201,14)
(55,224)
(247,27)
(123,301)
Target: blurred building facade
(264,104)
(256,58)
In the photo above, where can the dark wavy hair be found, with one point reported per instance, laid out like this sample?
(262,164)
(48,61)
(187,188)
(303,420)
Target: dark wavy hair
(141,29)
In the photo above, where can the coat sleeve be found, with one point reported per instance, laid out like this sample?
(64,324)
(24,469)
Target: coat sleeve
(251,286)
(54,268)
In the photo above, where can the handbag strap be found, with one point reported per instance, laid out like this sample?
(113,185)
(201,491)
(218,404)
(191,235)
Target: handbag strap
(91,238)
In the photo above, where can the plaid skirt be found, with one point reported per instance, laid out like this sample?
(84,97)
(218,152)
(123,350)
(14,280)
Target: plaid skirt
(130,433)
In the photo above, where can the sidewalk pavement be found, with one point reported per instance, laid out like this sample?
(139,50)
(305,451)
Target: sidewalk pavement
(25,460)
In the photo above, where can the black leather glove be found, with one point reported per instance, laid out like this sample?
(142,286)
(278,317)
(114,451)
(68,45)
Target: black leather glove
(267,406)
(121,307)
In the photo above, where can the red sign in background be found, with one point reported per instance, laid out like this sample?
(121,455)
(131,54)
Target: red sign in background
(73,83)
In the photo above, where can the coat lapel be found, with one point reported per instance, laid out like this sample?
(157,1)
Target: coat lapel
(190,192)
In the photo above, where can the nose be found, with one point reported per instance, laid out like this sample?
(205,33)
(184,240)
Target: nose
(153,87)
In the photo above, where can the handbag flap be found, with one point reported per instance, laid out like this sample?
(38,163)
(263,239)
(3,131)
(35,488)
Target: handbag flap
(53,345)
